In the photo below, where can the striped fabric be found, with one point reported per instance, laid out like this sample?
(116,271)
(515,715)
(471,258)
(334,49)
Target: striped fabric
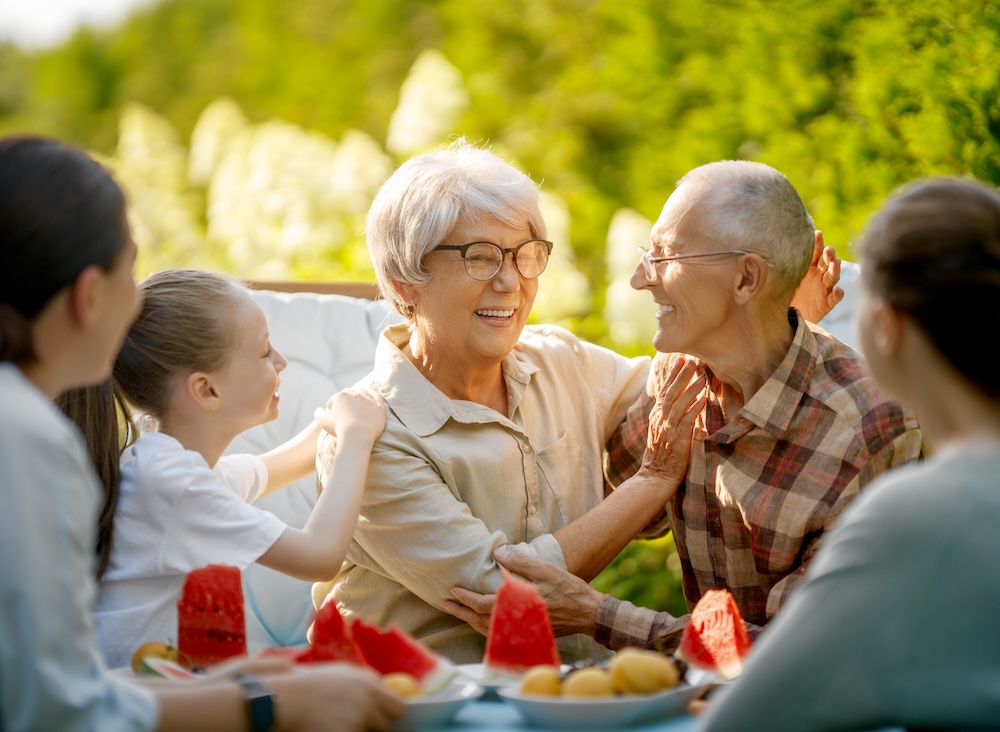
(762,488)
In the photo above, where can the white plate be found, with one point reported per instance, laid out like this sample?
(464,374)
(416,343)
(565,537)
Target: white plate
(439,708)
(613,712)
(476,673)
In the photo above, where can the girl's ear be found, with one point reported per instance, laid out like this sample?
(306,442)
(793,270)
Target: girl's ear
(201,390)
(750,278)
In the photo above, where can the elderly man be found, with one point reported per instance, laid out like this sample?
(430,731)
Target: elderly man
(792,429)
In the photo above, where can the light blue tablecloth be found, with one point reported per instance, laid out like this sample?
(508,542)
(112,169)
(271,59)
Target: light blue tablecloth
(495,716)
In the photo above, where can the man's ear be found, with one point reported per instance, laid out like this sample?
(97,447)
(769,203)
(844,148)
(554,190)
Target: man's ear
(86,297)
(200,388)
(750,279)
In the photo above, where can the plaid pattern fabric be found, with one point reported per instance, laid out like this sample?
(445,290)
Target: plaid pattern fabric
(762,488)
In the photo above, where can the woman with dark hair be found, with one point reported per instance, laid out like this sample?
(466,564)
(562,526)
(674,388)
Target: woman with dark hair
(67,296)
(893,625)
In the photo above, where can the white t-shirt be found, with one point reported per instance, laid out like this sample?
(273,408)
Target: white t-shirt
(175,514)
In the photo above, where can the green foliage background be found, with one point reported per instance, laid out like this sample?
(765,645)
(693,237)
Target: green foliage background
(605,102)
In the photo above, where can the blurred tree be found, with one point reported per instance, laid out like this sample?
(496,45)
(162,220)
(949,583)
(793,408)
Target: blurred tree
(251,135)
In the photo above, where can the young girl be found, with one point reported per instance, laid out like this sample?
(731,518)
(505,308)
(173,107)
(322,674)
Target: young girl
(67,295)
(198,364)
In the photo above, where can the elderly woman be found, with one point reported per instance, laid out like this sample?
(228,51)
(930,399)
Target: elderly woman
(487,445)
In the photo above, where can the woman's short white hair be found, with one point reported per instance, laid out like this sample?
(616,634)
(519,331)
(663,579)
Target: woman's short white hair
(423,200)
(754,207)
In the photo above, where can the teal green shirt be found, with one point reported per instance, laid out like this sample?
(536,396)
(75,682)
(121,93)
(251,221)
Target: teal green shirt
(896,623)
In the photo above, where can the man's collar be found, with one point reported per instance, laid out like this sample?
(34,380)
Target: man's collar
(774,405)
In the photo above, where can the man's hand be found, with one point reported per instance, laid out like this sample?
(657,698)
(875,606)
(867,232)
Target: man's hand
(818,293)
(572,603)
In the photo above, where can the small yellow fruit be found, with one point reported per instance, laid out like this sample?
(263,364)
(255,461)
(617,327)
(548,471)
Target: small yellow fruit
(541,680)
(402,684)
(665,670)
(153,649)
(588,683)
(636,671)
(631,674)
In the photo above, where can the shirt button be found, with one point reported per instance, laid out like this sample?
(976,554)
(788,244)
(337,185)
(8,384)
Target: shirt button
(531,509)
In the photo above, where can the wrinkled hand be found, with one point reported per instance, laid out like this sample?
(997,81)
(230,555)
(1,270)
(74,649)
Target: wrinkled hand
(572,603)
(818,293)
(671,424)
(354,409)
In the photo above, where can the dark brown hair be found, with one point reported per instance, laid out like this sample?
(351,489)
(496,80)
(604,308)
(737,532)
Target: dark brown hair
(933,251)
(60,212)
(107,427)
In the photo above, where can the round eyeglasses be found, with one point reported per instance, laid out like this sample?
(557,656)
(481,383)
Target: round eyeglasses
(483,259)
(649,262)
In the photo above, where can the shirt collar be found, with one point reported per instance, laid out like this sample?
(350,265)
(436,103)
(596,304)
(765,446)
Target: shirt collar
(421,406)
(774,405)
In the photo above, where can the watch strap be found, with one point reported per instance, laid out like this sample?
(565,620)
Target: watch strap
(259,702)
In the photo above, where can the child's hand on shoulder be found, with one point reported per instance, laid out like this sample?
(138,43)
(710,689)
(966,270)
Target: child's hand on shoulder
(353,410)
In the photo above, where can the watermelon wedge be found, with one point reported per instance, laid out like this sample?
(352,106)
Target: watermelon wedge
(210,623)
(395,651)
(716,639)
(520,634)
(332,639)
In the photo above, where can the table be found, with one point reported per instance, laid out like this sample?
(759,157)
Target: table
(484,715)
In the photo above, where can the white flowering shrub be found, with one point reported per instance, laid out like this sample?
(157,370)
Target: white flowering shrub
(630,314)
(273,201)
(431,104)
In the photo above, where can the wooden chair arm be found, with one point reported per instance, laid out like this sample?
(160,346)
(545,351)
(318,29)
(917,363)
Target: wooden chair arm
(351,289)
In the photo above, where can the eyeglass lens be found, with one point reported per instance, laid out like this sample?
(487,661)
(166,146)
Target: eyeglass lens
(483,260)
(647,266)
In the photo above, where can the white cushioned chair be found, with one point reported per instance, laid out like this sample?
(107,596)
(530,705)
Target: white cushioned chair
(329,341)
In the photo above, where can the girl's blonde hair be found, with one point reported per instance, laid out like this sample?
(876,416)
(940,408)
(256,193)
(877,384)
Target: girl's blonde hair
(184,326)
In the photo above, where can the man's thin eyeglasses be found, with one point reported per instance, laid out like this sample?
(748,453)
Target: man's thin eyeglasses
(649,262)
(483,259)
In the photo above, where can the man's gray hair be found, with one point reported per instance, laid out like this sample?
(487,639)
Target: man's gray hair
(428,195)
(756,208)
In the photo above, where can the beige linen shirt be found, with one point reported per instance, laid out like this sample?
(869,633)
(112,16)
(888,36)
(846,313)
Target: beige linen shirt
(452,480)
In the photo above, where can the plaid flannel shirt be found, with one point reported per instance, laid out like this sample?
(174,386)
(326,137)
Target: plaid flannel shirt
(762,488)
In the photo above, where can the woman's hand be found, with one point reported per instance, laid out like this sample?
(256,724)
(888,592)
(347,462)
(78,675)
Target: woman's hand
(671,426)
(818,293)
(572,603)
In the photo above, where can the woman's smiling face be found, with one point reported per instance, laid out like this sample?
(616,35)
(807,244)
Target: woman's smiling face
(467,320)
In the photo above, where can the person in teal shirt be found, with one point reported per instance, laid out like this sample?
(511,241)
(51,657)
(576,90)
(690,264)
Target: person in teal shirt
(895,623)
